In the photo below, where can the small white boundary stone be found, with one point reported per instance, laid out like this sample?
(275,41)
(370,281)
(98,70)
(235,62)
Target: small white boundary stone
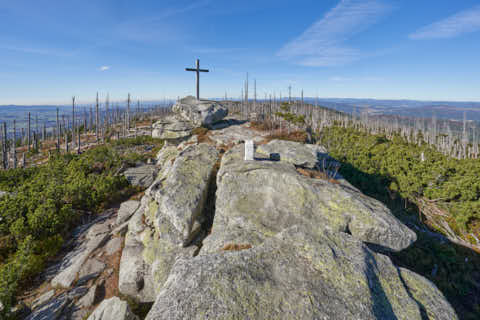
(249,150)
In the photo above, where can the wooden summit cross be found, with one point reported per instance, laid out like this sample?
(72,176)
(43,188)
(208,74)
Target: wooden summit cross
(197,70)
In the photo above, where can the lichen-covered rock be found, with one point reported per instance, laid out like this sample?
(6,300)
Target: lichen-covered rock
(257,199)
(236,132)
(166,155)
(126,210)
(113,309)
(173,128)
(200,112)
(299,154)
(182,194)
(135,278)
(142,176)
(302,272)
(169,218)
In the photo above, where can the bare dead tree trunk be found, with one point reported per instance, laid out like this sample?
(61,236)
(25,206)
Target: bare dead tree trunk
(28,132)
(4,147)
(73,122)
(58,133)
(128,112)
(14,144)
(96,119)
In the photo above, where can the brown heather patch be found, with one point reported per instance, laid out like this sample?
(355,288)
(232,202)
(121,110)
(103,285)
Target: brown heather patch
(137,196)
(201,133)
(111,283)
(296,136)
(236,247)
(315,174)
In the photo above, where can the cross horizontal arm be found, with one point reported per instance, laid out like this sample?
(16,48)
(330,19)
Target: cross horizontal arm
(199,70)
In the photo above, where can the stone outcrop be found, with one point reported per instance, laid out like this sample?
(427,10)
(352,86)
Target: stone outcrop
(284,244)
(173,128)
(302,272)
(182,194)
(200,112)
(113,309)
(189,113)
(168,220)
(257,199)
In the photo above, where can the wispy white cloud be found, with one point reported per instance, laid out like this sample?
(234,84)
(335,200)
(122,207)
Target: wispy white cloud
(33,50)
(323,43)
(465,21)
(104,68)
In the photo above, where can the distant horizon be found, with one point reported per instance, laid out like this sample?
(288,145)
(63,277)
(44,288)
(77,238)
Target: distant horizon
(134,102)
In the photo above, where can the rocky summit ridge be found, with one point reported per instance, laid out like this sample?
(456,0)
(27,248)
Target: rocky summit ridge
(218,237)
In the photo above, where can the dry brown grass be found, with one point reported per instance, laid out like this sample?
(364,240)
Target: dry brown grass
(202,135)
(111,282)
(315,174)
(296,136)
(236,247)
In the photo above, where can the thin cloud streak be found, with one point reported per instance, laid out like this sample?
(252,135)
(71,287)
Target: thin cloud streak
(465,21)
(104,68)
(39,51)
(322,44)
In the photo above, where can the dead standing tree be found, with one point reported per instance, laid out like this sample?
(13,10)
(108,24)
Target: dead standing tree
(73,122)
(96,119)
(28,133)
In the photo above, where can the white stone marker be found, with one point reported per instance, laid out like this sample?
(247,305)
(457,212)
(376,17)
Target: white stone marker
(249,150)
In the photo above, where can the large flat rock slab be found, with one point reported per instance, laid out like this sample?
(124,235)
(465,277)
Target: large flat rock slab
(299,154)
(236,132)
(257,199)
(300,273)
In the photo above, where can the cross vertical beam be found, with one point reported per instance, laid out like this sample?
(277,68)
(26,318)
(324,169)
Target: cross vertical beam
(197,70)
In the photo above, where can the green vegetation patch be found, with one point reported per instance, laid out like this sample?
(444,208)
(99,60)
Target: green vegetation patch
(47,201)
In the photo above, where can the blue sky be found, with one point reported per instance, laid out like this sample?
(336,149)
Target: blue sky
(399,49)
